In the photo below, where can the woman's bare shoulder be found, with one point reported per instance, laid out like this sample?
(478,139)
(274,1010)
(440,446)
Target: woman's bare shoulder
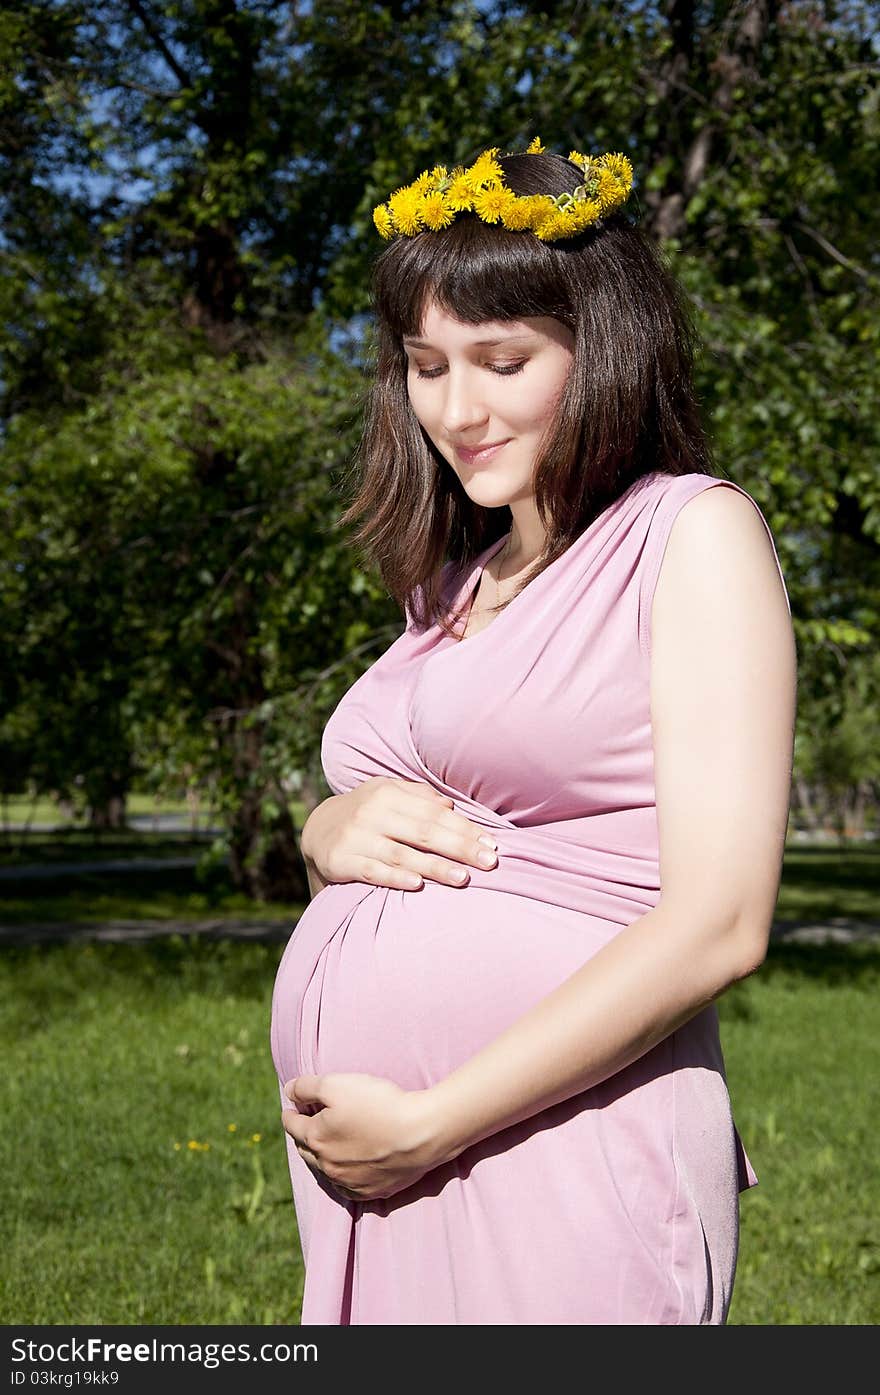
(723,696)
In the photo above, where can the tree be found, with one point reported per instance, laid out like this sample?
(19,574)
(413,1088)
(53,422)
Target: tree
(186,190)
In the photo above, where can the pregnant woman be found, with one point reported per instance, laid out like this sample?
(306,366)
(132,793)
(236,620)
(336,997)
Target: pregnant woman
(502,1085)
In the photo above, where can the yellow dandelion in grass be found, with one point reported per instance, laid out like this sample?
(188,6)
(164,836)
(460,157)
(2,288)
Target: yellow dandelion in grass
(535,147)
(383,221)
(404,206)
(460,194)
(232,1128)
(255,1137)
(485,172)
(195,1147)
(491,204)
(177,1147)
(621,167)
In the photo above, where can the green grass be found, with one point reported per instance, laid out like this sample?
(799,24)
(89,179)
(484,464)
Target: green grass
(803,1059)
(142,900)
(114,1053)
(20,808)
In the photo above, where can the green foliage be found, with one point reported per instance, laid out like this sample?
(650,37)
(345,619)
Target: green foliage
(186,189)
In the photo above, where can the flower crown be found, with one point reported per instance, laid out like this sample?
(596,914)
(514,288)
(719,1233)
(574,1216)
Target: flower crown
(433,200)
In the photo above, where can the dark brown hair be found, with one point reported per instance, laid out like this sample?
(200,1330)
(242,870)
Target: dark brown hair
(628,408)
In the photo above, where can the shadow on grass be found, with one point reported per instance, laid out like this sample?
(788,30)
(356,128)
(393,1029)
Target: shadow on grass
(37,849)
(858,962)
(848,868)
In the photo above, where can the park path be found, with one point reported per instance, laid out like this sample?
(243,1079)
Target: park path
(831,930)
(834,930)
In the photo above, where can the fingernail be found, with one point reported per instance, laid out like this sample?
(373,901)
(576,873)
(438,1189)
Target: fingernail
(490,842)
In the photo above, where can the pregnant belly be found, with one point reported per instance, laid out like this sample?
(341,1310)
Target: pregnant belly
(408,985)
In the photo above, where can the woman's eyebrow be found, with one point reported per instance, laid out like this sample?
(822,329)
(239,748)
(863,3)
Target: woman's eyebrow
(477,344)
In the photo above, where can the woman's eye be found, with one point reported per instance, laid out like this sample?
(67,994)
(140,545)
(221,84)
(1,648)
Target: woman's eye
(502,368)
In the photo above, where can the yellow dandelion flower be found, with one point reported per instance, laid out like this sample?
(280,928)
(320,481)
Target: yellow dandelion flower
(438,173)
(485,171)
(621,167)
(255,1137)
(539,208)
(193,1146)
(423,182)
(435,211)
(177,1147)
(535,147)
(517,216)
(558,225)
(491,203)
(383,221)
(584,213)
(404,205)
(460,194)
(578,159)
(232,1128)
(611,191)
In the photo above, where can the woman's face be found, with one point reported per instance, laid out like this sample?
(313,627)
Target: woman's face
(488,385)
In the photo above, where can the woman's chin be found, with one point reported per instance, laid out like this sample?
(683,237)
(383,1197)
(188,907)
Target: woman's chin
(487,492)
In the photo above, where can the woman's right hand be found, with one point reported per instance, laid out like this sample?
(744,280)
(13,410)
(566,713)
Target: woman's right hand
(391,832)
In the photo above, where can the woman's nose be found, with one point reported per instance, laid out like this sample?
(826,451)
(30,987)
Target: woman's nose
(463,406)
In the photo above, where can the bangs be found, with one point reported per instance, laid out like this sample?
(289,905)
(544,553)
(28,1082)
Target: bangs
(476,272)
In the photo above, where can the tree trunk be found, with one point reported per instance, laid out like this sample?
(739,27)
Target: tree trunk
(805,803)
(735,66)
(264,857)
(108,809)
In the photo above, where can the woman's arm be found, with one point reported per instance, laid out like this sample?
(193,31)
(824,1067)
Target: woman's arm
(723,696)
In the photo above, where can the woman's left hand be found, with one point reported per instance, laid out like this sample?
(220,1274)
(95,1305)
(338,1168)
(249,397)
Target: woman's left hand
(369,1138)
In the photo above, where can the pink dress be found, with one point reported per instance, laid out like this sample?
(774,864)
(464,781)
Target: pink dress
(619,1205)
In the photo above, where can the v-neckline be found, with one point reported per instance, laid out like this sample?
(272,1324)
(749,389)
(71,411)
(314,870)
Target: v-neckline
(467,591)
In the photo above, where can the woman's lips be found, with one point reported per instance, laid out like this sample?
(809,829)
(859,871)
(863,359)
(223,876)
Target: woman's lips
(478,456)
